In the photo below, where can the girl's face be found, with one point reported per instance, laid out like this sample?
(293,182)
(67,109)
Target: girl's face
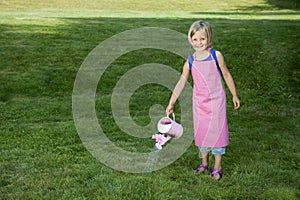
(199,41)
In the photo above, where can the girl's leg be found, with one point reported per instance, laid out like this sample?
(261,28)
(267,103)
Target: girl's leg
(218,152)
(218,159)
(204,166)
(217,167)
(204,158)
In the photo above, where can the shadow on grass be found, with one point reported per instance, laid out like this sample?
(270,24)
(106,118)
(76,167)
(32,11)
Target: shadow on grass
(263,13)
(283,4)
(274,5)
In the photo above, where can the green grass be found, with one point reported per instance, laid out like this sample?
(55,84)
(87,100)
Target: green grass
(42,46)
(144,5)
(128,5)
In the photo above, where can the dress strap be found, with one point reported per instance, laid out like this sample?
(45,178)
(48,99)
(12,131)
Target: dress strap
(191,60)
(213,53)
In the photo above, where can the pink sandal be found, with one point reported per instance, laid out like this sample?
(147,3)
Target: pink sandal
(216,174)
(201,168)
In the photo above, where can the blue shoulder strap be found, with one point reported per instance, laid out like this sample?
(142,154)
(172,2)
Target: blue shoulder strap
(190,60)
(213,53)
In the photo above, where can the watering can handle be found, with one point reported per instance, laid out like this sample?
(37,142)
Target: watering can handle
(173,115)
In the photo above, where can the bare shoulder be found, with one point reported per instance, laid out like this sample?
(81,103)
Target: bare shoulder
(186,70)
(186,63)
(219,55)
(186,66)
(220,58)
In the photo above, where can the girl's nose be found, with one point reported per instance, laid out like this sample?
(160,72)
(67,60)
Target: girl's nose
(197,42)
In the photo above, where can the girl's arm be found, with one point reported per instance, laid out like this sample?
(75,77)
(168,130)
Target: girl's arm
(178,88)
(228,79)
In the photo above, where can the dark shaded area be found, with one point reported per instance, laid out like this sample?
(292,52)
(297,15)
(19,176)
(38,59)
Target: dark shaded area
(263,13)
(274,5)
(285,4)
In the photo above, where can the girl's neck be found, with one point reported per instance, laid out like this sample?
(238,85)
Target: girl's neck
(201,55)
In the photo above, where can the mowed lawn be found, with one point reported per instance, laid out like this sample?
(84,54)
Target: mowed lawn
(44,43)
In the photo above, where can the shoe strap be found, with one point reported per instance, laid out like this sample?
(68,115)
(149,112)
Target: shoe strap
(203,166)
(216,171)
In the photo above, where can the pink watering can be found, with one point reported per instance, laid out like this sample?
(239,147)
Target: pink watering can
(170,127)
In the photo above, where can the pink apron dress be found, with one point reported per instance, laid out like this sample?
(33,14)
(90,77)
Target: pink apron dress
(209,105)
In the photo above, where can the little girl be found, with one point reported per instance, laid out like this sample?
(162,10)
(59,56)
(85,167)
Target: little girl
(209,98)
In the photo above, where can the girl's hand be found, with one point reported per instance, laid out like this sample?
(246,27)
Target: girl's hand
(169,109)
(236,102)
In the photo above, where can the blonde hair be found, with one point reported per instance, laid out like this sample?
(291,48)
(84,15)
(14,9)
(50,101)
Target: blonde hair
(201,26)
